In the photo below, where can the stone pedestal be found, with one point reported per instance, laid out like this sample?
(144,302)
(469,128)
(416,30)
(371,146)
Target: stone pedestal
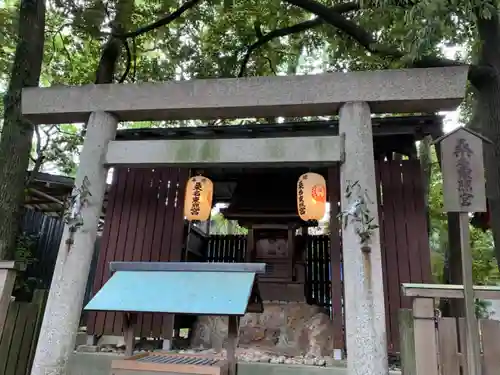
(7,279)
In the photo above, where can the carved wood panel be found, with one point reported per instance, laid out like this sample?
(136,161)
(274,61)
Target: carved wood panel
(271,248)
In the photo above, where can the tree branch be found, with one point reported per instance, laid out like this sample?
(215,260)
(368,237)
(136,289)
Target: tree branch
(111,45)
(298,28)
(129,61)
(161,22)
(40,150)
(365,38)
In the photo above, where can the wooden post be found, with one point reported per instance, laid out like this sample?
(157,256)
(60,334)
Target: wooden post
(407,334)
(249,255)
(7,280)
(167,330)
(129,321)
(291,250)
(39,300)
(464,192)
(232,343)
(472,328)
(64,304)
(426,353)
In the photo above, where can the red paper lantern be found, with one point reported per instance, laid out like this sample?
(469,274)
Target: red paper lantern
(198,198)
(311,196)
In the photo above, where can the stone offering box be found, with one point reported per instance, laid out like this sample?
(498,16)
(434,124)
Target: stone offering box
(224,289)
(169,364)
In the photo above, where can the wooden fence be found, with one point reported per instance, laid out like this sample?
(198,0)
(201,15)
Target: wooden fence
(48,232)
(431,345)
(450,356)
(232,248)
(318,275)
(229,248)
(19,338)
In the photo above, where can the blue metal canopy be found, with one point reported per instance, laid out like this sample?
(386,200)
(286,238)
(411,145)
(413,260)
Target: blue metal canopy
(180,288)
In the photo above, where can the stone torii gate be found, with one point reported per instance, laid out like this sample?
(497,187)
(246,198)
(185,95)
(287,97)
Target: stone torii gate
(354,96)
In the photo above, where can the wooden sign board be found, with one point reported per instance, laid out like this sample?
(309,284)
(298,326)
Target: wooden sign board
(463,171)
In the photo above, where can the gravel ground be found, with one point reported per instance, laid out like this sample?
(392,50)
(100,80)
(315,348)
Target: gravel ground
(260,355)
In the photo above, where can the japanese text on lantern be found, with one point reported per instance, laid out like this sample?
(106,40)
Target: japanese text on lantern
(197,190)
(302,205)
(463,154)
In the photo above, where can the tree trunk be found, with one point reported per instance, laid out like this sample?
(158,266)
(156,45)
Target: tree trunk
(17,133)
(486,116)
(112,49)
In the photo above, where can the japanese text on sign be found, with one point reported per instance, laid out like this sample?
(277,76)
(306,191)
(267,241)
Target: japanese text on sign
(463,154)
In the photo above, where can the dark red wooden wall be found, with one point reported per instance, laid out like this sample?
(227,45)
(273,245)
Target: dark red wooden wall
(404,237)
(144,222)
(337,287)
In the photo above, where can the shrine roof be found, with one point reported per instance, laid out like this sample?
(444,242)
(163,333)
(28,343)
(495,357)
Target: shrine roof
(415,126)
(48,193)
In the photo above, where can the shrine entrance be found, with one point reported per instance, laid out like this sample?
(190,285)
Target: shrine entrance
(354,96)
(264,201)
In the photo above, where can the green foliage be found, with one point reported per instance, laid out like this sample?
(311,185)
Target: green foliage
(63,148)
(24,254)
(8,31)
(211,40)
(484,267)
(485,270)
(220,225)
(26,244)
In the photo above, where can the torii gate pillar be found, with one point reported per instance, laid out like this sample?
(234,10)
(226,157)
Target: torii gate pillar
(363,280)
(64,305)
